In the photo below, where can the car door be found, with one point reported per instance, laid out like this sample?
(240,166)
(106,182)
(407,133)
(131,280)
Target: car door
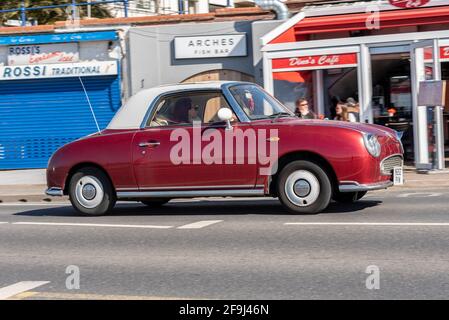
(168,152)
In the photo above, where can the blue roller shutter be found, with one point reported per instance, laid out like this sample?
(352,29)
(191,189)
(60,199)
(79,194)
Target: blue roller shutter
(38,116)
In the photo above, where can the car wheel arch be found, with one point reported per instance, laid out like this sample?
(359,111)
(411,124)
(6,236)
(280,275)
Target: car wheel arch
(79,166)
(306,156)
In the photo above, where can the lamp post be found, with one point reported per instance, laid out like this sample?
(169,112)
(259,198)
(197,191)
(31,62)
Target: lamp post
(23,16)
(89,9)
(125,6)
(73,10)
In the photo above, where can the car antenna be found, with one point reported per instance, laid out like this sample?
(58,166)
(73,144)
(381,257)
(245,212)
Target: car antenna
(90,105)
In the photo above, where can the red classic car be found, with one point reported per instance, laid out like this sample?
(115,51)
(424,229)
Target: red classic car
(222,139)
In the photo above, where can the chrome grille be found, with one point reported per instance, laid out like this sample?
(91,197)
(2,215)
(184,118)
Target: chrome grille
(387,164)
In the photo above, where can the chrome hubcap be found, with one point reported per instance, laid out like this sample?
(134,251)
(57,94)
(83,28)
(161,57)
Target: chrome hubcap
(89,192)
(302,188)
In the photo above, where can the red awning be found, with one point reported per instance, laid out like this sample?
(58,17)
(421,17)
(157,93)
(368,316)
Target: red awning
(358,21)
(293,76)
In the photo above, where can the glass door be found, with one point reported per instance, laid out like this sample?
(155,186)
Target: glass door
(427,120)
(391,99)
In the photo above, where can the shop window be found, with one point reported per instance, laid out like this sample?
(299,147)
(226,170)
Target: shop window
(340,86)
(392,97)
(293,85)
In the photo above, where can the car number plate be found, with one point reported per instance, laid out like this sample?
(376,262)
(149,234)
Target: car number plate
(398,176)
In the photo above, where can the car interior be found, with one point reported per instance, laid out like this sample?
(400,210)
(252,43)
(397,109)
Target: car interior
(187,108)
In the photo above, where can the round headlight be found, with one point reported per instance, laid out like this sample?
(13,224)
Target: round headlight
(372,144)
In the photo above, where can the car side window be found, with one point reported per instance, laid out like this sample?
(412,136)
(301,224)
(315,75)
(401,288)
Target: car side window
(213,104)
(175,110)
(186,108)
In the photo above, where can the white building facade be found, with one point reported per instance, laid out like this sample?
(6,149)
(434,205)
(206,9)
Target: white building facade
(138,8)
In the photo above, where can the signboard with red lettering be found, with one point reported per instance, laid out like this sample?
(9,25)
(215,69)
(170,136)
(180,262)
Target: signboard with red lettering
(43,54)
(444,54)
(316,62)
(408,3)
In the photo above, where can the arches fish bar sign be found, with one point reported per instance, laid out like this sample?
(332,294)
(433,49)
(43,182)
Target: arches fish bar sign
(345,60)
(38,71)
(233,45)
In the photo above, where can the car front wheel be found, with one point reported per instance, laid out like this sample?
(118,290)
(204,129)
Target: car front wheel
(304,188)
(91,192)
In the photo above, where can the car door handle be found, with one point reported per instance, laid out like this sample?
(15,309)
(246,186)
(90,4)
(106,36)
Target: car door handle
(151,144)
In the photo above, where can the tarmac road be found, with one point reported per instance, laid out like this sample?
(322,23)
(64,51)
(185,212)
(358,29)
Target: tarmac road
(230,249)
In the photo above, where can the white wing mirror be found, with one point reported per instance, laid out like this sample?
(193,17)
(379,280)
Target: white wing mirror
(225,114)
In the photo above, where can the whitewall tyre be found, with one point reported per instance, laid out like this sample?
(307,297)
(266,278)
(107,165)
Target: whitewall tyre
(91,192)
(304,188)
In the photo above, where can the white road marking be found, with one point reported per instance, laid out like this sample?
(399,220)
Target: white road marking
(140,226)
(19,287)
(418,224)
(199,224)
(420,195)
(127,203)
(4,222)
(34,204)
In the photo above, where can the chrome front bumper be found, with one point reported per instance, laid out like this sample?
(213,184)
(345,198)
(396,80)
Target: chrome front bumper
(353,186)
(54,192)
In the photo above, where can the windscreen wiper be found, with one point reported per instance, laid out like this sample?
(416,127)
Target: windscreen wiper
(277,115)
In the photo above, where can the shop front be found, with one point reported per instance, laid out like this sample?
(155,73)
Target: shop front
(54,88)
(334,56)
(189,52)
(309,76)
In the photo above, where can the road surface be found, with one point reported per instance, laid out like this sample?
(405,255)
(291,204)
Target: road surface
(229,249)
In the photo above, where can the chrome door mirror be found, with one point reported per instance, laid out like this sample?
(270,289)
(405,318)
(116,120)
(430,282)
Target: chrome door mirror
(225,114)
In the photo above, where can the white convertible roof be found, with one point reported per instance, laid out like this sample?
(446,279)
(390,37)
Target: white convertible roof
(131,114)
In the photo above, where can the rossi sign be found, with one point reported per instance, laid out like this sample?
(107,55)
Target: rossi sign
(37,71)
(316,62)
(43,53)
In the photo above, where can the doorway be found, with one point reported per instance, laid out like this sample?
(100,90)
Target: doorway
(392,95)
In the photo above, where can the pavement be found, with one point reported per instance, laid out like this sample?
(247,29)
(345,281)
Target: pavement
(25,186)
(230,249)
(30,185)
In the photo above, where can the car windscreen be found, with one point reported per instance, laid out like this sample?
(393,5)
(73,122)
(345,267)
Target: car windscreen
(256,103)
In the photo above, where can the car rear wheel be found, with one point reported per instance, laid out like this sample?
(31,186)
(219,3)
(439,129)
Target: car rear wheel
(304,188)
(91,192)
(155,202)
(348,197)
